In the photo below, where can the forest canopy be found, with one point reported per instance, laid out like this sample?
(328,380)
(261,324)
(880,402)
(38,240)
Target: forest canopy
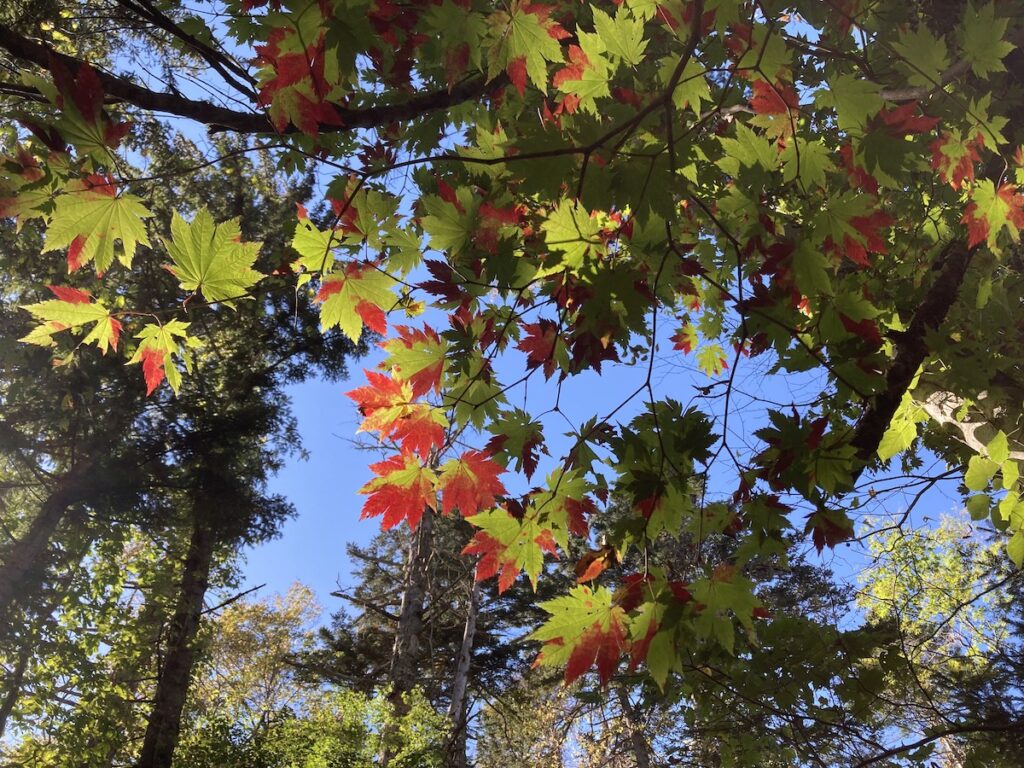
(692,400)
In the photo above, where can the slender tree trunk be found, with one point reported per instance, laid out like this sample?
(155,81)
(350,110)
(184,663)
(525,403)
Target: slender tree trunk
(176,673)
(13,685)
(637,740)
(406,650)
(459,708)
(25,563)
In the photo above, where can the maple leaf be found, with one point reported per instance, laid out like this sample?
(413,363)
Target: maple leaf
(470,483)
(388,408)
(524,40)
(73,308)
(955,159)
(508,545)
(353,298)
(992,210)
(516,435)
(685,339)
(294,85)
(542,346)
(493,560)
(159,345)
(83,121)
(903,120)
(401,491)
(829,527)
(90,216)
(595,562)
(585,629)
(211,258)
(773,98)
(711,359)
(418,354)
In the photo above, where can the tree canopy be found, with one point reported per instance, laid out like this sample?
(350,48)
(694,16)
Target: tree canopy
(679,296)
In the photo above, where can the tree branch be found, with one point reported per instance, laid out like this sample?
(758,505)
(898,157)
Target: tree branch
(221,118)
(912,348)
(913,93)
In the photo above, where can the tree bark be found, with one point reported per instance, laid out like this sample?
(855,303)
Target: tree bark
(13,683)
(912,347)
(176,673)
(26,562)
(641,749)
(406,650)
(458,710)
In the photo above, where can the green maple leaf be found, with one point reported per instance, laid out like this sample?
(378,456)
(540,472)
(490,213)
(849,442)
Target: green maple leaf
(211,258)
(925,57)
(622,36)
(575,617)
(314,246)
(344,298)
(158,346)
(811,270)
(722,596)
(747,149)
(692,89)
(449,228)
(520,34)
(99,219)
(711,359)
(474,398)
(73,309)
(592,83)
(982,40)
(571,231)
(518,539)
(808,161)
(854,100)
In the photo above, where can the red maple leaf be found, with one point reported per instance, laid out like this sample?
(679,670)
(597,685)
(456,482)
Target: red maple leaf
(773,99)
(70,295)
(857,175)
(956,165)
(865,328)
(684,339)
(516,70)
(387,407)
(903,120)
(977,227)
(152,368)
(373,317)
(597,646)
(826,531)
(1015,200)
(401,491)
(470,484)
(539,345)
(578,62)
(577,513)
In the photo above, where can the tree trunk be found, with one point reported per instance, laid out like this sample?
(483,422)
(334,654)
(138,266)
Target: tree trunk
(25,563)
(459,709)
(13,684)
(406,650)
(641,749)
(176,673)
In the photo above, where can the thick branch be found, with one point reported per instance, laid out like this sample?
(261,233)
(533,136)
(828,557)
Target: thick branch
(244,122)
(912,347)
(913,93)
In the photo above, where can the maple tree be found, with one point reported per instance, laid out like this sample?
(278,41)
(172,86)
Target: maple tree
(824,192)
